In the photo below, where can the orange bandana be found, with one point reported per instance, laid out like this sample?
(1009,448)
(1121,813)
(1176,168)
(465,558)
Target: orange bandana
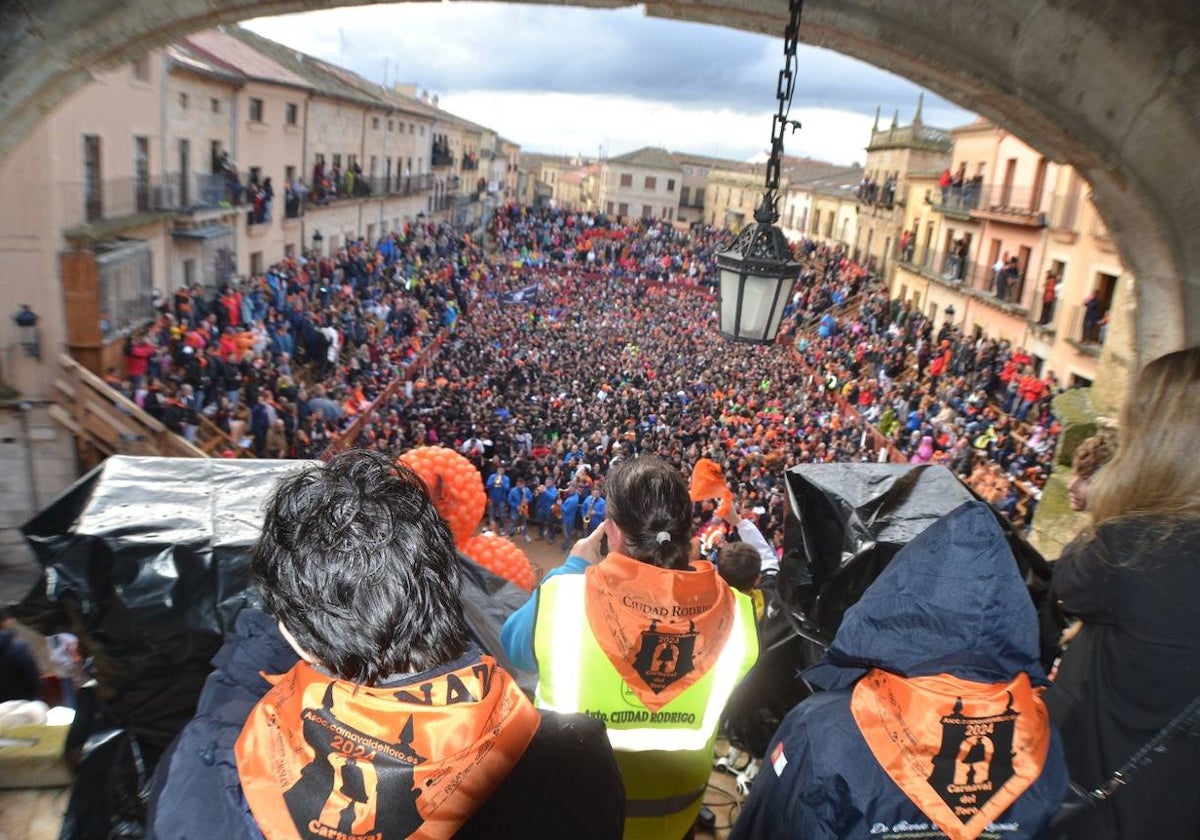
(961,751)
(661,629)
(320,757)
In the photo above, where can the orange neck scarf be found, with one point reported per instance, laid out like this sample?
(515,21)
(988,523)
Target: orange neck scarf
(961,751)
(661,629)
(322,757)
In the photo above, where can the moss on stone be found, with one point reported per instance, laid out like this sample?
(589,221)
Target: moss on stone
(1055,524)
(1076,413)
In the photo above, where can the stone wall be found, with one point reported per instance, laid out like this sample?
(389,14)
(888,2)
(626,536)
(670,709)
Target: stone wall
(37,463)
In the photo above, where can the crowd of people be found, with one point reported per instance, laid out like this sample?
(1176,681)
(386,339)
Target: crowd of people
(573,342)
(577,366)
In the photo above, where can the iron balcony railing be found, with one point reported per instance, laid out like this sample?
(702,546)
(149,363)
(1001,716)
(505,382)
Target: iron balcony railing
(117,198)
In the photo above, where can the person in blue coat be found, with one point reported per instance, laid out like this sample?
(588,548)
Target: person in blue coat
(931,721)
(593,510)
(497,487)
(544,504)
(519,498)
(570,512)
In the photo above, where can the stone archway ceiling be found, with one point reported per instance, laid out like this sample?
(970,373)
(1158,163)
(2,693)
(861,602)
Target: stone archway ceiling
(1112,86)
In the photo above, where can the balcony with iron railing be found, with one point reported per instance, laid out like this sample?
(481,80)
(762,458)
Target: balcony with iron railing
(469,163)
(957,201)
(1013,205)
(374,186)
(1064,212)
(975,279)
(119,200)
(441,156)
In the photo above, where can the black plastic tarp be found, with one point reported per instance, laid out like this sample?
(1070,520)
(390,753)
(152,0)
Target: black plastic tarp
(147,561)
(845,523)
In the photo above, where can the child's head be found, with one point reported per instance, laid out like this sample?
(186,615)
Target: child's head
(739,565)
(1090,456)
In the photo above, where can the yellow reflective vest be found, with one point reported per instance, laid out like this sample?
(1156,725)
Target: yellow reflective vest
(665,756)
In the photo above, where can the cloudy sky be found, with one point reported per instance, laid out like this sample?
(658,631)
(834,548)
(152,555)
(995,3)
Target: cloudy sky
(569,80)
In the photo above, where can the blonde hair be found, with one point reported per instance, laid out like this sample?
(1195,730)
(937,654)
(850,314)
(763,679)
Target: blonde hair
(1156,471)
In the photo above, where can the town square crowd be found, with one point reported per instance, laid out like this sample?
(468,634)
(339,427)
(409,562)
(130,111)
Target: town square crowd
(573,341)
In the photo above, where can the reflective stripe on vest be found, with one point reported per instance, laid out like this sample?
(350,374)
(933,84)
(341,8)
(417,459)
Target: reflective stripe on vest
(562,617)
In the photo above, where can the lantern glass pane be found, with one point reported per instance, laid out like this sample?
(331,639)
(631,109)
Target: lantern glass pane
(729,295)
(784,291)
(758,296)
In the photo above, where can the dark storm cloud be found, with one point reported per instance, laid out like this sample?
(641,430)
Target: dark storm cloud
(453,48)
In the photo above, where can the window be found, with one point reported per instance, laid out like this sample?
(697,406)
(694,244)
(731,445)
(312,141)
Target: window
(214,105)
(391,125)
(93,189)
(375,123)
(141,173)
(256,174)
(647,211)
(256,110)
(651,182)
(289,174)
(623,209)
(670,185)
(291,113)
(608,208)
(183,100)
(189,272)
(256,262)
(337,161)
(684,194)
(412,129)
(422,131)
(289,251)
(626,180)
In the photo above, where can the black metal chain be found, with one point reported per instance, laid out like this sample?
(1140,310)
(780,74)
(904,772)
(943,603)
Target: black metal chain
(782,121)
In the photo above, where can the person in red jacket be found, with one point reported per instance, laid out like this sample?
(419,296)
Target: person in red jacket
(137,360)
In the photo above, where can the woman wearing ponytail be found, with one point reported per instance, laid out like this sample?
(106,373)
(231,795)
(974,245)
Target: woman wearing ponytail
(643,639)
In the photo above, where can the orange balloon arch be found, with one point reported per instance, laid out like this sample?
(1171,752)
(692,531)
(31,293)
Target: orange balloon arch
(455,486)
(503,557)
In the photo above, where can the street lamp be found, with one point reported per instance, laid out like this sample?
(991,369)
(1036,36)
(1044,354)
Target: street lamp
(758,271)
(27,332)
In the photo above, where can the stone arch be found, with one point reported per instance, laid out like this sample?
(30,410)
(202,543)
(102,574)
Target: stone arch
(1111,86)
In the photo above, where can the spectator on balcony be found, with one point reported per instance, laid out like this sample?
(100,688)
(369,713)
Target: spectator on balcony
(956,186)
(1049,296)
(1091,318)
(972,191)
(267,192)
(320,183)
(945,182)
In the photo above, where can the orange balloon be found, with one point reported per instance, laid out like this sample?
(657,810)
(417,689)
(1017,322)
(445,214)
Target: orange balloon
(503,557)
(454,484)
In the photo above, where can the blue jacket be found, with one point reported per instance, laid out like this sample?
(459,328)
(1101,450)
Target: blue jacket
(518,495)
(498,494)
(594,506)
(517,634)
(567,770)
(951,602)
(546,500)
(570,506)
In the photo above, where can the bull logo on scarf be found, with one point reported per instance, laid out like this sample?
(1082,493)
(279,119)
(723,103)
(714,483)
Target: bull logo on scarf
(343,789)
(975,759)
(664,657)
